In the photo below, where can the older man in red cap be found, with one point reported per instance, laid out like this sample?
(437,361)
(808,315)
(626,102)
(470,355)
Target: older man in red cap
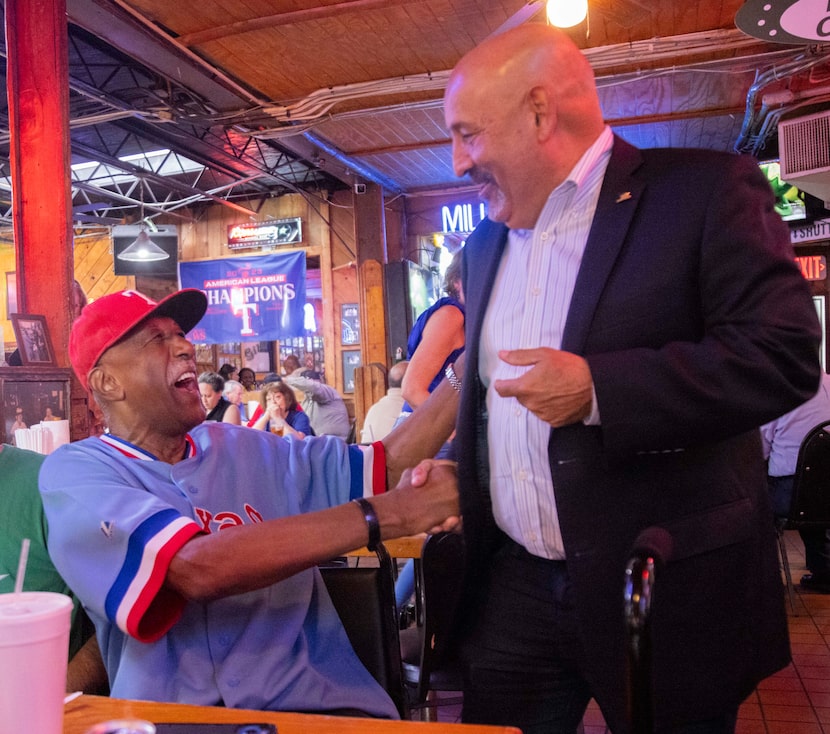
(184,612)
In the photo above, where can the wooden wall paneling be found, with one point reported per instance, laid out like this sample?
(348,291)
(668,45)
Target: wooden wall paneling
(369,387)
(331,325)
(344,290)
(343,243)
(373,312)
(373,340)
(207,237)
(395,218)
(94,268)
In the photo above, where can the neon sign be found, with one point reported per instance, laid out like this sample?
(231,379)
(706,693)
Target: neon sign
(461,217)
(813,267)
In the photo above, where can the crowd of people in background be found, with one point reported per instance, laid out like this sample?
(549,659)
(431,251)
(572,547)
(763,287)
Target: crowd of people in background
(296,403)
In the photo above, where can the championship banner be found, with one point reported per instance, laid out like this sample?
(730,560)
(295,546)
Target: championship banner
(249,299)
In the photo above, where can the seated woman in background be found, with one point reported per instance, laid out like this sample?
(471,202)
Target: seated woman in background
(217,408)
(281,413)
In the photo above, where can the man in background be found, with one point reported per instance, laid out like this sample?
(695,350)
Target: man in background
(382,415)
(782,440)
(323,404)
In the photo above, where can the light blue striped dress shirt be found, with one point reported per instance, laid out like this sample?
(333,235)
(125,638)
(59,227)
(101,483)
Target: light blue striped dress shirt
(527,309)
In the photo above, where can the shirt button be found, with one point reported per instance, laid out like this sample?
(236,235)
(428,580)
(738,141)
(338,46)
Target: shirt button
(544,235)
(517,412)
(535,291)
(522,474)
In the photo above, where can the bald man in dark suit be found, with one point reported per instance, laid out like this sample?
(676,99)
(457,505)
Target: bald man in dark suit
(632,318)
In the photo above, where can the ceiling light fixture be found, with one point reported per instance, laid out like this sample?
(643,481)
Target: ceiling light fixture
(143,249)
(566,13)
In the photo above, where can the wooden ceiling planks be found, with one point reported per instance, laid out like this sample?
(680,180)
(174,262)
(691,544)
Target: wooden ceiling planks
(367,41)
(286,50)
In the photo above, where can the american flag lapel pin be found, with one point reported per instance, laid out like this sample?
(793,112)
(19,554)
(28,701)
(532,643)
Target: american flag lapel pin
(624,196)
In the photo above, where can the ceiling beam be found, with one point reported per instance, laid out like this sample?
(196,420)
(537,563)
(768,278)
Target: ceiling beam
(142,173)
(135,36)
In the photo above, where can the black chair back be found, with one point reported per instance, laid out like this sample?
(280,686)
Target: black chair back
(364,598)
(811,485)
(427,659)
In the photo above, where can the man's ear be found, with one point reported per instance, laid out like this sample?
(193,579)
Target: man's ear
(543,110)
(104,384)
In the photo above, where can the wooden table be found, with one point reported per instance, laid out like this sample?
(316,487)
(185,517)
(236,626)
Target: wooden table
(407,547)
(84,712)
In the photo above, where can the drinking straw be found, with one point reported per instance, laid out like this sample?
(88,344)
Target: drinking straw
(21,566)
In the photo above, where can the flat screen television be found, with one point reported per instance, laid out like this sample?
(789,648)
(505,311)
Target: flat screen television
(795,206)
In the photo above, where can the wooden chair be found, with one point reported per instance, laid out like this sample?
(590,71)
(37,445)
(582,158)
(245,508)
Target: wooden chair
(428,664)
(810,505)
(364,597)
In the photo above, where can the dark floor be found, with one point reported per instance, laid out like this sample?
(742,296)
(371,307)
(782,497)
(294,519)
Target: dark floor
(794,701)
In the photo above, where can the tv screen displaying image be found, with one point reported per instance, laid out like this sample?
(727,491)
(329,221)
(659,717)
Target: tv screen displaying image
(424,289)
(796,207)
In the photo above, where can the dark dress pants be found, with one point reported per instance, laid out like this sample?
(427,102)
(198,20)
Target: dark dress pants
(523,659)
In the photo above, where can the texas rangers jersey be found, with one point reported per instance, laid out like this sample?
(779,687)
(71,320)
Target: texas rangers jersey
(117,516)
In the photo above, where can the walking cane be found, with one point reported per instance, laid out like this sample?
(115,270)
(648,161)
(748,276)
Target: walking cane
(650,553)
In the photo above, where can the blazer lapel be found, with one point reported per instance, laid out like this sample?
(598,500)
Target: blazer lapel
(615,210)
(482,255)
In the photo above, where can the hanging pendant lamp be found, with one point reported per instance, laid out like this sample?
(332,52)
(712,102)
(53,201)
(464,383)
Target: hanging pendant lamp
(143,249)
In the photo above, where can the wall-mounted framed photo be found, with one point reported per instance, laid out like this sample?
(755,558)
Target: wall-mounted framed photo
(349,324)
(29,396)
(257,356)
(351,361)
(33,340)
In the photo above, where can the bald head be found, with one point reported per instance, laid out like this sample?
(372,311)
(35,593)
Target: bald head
(522,108)
(533,54)
(396,373)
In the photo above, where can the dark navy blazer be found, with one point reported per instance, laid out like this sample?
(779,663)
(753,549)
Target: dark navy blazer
(698,327)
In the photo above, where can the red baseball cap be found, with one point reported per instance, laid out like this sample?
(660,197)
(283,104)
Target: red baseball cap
(110,318)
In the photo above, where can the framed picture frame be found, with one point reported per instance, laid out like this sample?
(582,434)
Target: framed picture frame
(349,324)
(257,356)
(30,396)
(33,340)
(351,361)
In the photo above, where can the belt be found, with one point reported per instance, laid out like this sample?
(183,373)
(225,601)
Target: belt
(517,550)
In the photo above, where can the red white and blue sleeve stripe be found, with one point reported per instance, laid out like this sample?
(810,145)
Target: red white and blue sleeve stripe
(137,602)
(368,465)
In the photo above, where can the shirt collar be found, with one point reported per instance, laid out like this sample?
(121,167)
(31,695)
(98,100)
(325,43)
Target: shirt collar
(584,178)
(134,452)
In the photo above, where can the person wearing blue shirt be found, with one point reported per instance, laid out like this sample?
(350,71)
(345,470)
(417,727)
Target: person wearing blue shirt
(193,545)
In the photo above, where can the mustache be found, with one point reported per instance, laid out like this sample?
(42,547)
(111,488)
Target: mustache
(479,176)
